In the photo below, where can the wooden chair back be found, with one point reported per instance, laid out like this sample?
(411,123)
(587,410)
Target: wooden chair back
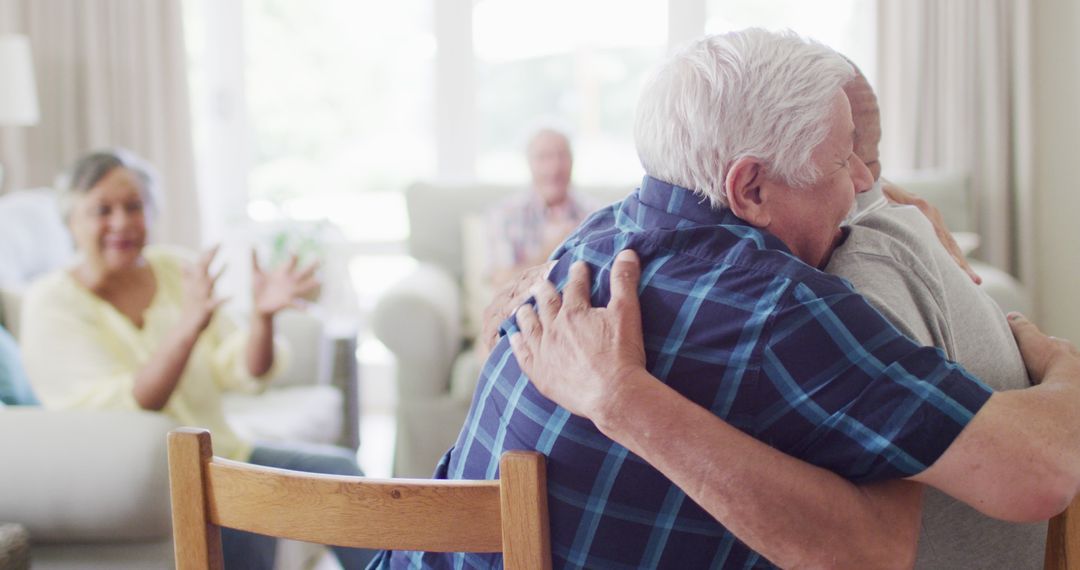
(508,515)
(1063,540)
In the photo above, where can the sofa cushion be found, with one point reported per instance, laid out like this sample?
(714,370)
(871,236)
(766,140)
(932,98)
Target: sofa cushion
(85,476)
(14,385)
(436,212)
(291,413)
(33,239)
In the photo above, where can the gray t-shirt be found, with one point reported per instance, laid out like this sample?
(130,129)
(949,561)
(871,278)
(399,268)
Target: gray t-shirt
(894,259)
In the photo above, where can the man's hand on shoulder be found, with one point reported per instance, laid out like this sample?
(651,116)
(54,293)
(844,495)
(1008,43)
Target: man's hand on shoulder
(580,356)
(510,296)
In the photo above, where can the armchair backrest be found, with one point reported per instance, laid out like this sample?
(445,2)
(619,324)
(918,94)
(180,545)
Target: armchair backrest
(948,191)
(437,210)
(310,349)
(508,515)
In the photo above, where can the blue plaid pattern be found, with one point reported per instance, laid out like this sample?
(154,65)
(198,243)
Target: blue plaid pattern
(737,324)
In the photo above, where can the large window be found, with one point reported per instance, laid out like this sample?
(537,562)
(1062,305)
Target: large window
(339,99)
(326,109)
(565,63)
(844,25)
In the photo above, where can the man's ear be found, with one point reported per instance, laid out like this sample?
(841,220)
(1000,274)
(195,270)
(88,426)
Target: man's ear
(743,188)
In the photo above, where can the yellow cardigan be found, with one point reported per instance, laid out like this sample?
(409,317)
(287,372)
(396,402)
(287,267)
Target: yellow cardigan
(81,353)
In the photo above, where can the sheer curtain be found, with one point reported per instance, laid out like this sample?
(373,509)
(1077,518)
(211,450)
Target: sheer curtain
(954,79)
(109,73)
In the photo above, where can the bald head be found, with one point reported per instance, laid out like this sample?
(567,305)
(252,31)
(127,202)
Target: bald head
(867,118)
(550,161)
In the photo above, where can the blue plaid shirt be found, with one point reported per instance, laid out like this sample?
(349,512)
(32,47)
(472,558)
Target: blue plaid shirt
(736,323)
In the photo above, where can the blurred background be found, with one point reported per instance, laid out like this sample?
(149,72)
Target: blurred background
(297,126)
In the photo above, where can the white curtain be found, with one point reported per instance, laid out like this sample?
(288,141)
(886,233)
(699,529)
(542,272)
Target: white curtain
(954,79)
(109,73)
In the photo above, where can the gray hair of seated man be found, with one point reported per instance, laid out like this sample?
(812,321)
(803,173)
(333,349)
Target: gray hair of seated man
(545,124)
(91,168)
(750,93)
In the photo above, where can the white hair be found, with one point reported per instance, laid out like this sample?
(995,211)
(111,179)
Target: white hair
(751,93)
(91,168)
(546,125)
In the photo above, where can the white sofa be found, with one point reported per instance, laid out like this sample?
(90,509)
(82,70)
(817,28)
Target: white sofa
(422,319)
(92,487)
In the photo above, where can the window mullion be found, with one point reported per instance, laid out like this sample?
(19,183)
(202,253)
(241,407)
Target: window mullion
(455,91)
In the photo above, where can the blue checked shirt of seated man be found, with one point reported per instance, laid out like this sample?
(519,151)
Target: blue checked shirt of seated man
(739,325)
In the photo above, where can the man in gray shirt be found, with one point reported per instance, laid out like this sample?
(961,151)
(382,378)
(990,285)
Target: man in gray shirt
(893,258)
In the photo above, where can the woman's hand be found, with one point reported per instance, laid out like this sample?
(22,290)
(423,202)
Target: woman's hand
(156,381)
(199,300)
(281,287)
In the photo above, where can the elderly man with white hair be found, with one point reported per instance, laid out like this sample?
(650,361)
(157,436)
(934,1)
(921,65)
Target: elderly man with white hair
(747,142)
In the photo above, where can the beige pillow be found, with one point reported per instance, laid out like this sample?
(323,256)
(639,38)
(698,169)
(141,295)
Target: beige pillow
(477,286)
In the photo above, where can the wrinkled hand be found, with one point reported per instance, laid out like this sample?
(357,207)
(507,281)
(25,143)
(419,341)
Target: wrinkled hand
(898,195)
(282,287)
(509,297)
(199,301)
(576,354)
(1041,352)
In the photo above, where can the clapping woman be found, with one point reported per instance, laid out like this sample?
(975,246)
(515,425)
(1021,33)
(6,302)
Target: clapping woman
(136,327)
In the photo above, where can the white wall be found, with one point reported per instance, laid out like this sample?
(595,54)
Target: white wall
(1057,158)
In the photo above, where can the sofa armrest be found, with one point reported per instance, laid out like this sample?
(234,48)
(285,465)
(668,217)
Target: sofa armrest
(419,320)
(85,476)
(322,351)
(308,358)
(1003,288)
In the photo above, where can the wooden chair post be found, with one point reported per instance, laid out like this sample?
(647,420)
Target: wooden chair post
(196,539)
(1063,540)
(526,540)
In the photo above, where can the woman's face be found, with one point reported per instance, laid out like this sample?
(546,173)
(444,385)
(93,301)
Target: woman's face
(109,223)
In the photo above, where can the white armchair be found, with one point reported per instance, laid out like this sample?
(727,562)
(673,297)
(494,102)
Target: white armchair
(421,320)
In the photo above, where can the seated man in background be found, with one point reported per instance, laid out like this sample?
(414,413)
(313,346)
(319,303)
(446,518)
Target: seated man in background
(524,230)
(892,257)
(742,331)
